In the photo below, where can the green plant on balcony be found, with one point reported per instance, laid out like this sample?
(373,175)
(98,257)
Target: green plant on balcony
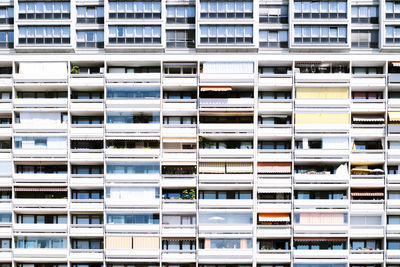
(189,194)
(75,70)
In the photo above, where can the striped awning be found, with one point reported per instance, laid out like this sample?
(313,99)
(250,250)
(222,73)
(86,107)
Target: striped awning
(41,189)
(274,190)
(86,138)
(212,167)
(2,189)
(319,239)
(396,63)
(367,194)
(368,119)
(307,63)
(239,167)
(273,217)
(215,88)
(274,167)
(178,163)
(149,138)
(394,115)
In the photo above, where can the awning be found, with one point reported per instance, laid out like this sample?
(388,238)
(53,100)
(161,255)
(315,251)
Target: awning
(368,119)
(319,239)
(135,138)
(211,167)
(274,190)
(361,170)
(2,189)
(275,116)
(86,138)
(274,167)
(394,115)
(179,139)
(179,238)
(239,167)
(396,63)
(274,217)
(367,194)
(179,163)
(41,189)
(215,88)
(307,63)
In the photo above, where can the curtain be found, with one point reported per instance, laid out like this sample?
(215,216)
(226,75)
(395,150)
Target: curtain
(40,118)
(146,243)
(48,68)
(239,167)
(321,218)
(119,242)
(228,67)
(212,167)
(322,118)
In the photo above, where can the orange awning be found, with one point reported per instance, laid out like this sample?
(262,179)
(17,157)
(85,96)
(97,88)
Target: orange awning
(273,217)
(367,194)
(215,88)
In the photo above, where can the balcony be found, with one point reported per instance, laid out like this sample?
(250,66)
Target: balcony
(40,228)
(148,204)
(225,255)
(182,155)
(280,130)
(133,178)
(274,106)
(179,106)
(179,205)
(393,229)
(370,205)
(323,103)
(320,204)
(180,230)
(366,256)
(226,153)
(180,80)
(84,180)
(86,230)
(178,180)
(320,229)
(393,204)
(227,103)
(279,256)
(368,105)
(86,81)
(273,231)
(393,103)
(86,205)
(393,254)
(323,78)
(84,105)
(6,80)
(367,180)
(371,130)
(6,181)
(223,179)
(321,154)
(325,128)
(269,81)
(6,254)
(370,155)
(246,129)
(272,155)
(274,180)
(131,254)
(132,153)
(39,203)
(133,77)
(178,131)
(142,104)
(86,155)
(321,178)
(394,80)
(42,127)
(6,106)
(274,206)
(40,177)
(393,129)
(141,129)
(364,231)
(133,228)
(226,78)
(226,203)
(40,254)
(89,131)
(178,256)
(86,255)
(321,254)
(368,81)
(40,154)
(45,103)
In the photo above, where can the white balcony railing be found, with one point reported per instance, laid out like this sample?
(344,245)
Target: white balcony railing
(226,103)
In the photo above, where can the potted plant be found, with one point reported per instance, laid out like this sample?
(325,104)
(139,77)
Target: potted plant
(75,70)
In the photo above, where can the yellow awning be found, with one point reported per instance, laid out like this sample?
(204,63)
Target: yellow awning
(322,118)
(322,93)
(394,115)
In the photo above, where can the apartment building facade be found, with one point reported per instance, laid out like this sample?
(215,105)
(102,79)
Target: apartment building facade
(210,133)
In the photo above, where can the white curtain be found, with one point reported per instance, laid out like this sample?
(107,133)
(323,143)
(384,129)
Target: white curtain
(228,67)
(335,143)
(139,194)
(40,118)
(47,68)
(57,142)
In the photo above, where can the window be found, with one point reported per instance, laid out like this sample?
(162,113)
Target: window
(364,38)
(392,34)
(41,219)
(215,218)
(180,14)
(41,169)
(44,10)
(365,220)
(133,167)
(5,243)
(369,70)
(235,34)
(226,9)
(6,15)
(87,243)
(364,14)
(90,39)
(44,35)
(320,244)
(392,9)
(40,142)
(6,39)
(180,38)
(273,14)
(5,218)
(135,10)
(134,35)
(87,219)
(179,120)
(307,9)
(365,244)
(226,195)
(90,14)
(274,39)
(320,34)
(133,218)
(393,219)
(274,144)
(225,243)
(40,242)
(87,194)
